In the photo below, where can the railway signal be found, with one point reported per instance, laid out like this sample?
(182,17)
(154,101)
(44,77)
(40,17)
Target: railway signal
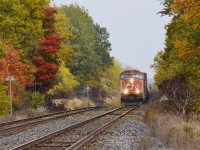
(10,79)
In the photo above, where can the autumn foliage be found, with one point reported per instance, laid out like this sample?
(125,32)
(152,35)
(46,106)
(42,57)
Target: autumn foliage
(50,49)
(181,57)
(12,65)
(45,57)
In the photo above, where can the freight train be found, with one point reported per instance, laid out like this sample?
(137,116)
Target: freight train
(133,87)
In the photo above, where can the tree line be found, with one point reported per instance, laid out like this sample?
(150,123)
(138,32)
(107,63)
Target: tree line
(178,65)
(52,50)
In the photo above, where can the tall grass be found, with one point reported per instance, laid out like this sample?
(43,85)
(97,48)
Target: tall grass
(171,130)
(18,115)
(114,101)
(78,103)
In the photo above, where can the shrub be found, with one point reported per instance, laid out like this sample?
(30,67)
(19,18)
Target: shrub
(187,128)
(37,100)
(21,97)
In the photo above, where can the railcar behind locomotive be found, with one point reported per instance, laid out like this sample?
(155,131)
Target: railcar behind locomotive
(133,86)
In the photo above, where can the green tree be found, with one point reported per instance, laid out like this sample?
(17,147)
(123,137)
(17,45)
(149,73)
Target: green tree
(179,63)
(181,55)
(21,28)
(86,60)
(103,49)
(65,53)
(91,46)
(111,78)
(66,80)
(21,23)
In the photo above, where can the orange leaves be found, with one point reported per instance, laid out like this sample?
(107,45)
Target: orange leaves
(189,8)
(182,45)
(188,35)
(186,49)
(11,64)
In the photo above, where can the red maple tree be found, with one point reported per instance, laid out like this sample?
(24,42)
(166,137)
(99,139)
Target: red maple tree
(45,56)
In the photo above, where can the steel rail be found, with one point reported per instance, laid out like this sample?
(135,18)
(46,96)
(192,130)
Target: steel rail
(86,139)
(38,117)
(43,121)
(29,119)
(56,133)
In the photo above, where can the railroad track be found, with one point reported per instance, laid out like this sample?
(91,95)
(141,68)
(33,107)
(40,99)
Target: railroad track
(13,127)
(67,138)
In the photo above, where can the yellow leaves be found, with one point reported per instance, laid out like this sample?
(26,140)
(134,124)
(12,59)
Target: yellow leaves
(185,49)
(65,54)
(189,8)
(62,25)
(182,55)
(196,26)
(110,81)
(164,73)
(67,80)
(181,46)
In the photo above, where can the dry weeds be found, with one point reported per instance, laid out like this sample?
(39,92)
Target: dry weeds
(147,143)
(172,131)
(114,101)
(78,103)
(23,114)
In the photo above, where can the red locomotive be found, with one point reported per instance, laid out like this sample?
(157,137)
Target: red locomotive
(133,86)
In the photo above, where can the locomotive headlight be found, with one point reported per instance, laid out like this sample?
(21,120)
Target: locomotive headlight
(137,91)
(131,80)
(125,91)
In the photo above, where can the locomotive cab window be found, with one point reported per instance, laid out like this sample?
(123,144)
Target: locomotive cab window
(124,76)
(140,76)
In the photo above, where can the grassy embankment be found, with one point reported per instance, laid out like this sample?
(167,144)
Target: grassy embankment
(59,105)
(170,130)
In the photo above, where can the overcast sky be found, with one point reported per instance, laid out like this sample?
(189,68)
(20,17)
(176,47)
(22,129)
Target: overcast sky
(136,30)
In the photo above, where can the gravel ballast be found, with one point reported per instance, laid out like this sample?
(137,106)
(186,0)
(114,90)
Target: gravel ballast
(44,129)
(124,135)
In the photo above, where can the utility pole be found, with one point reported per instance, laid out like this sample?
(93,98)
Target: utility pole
(10,79)
(87,88)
